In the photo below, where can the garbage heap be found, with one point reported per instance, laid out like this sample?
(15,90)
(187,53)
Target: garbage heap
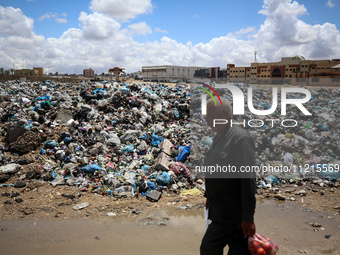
(124,140)
(306,150)
(107,138)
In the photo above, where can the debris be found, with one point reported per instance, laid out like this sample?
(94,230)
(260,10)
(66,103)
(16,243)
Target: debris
(9,169)
(154,196)
(20,184)
(81,206)
(19,200)
(194,191)
(316,225)
(279,197)
(26,143)
(111,214)
(302,193)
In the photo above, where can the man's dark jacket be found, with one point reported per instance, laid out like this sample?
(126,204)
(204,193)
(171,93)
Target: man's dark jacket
(231,197)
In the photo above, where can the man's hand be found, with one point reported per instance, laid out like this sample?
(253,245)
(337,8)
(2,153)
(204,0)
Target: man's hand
(248,228)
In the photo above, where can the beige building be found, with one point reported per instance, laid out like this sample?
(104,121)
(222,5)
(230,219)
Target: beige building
(38,71)
(289,70)
(88,72)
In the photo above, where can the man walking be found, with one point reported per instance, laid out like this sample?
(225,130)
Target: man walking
(230,195)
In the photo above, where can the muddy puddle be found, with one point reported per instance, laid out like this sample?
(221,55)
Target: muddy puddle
(166,231)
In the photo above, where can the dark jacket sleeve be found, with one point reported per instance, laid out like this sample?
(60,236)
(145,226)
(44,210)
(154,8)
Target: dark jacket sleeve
(245,156)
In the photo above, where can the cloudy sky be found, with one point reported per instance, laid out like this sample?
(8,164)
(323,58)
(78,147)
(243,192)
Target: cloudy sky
(68,36)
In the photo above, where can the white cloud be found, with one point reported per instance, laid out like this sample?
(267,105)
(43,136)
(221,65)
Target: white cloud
(140,28)
(122,10)
(194,16)
(61,20)
(330,3)
(47,15)
(284,34)
(101,43)
(161,30)
(97,26)
(14,22)
(244,31)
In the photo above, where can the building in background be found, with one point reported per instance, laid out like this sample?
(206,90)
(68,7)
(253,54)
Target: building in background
(209,72)
(137,75)
(88,73)
(169,73)
(24,72)
(290,70)
(38,71)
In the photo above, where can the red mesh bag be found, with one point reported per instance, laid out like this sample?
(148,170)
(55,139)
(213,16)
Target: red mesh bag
(261,245)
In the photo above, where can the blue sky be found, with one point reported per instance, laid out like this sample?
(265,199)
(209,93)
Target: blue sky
(104,33)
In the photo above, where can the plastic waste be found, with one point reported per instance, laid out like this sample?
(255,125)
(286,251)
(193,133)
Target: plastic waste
(180,168)
(128,148)
(272,179)
(91,168)
(155,140)
(50,144)
(191,192)
(9,169)
(163,179)
(183,153)
(81,206)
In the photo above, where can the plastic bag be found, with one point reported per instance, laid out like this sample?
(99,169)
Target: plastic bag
(261,245)
(206,214)
(183,153)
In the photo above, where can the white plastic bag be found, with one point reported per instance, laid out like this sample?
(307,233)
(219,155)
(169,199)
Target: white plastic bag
(207,221)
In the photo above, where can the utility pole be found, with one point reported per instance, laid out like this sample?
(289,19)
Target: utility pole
(13,67)
(48,70)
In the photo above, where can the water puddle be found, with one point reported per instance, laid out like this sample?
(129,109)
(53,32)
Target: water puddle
(167,231)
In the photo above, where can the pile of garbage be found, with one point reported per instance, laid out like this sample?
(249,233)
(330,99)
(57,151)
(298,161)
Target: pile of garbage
(107,138)
(308,149)
(124,140)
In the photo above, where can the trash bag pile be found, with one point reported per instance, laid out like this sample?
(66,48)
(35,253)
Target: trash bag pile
(108,138)
(122,140)
(307,150)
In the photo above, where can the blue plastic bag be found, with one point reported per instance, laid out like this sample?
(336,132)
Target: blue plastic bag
(163,179)
(50,144)
(90,168)
(144,137)
(45,97)
(151,185)
(183,153)
(155,139)
(321,127)
(272,179)
(67,140)
(128,148)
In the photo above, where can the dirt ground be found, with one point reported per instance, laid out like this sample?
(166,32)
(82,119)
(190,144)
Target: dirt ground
(45,221)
